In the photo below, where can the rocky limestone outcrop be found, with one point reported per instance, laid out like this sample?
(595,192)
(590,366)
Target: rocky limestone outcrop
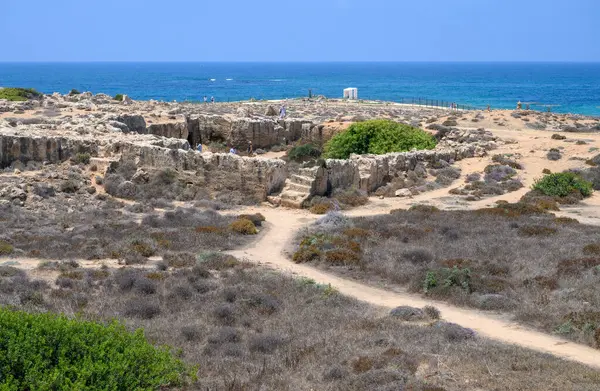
(219,172)
(170,129)
(42,149)
(263,132)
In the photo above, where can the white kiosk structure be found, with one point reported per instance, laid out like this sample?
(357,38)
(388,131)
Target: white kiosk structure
(351,93)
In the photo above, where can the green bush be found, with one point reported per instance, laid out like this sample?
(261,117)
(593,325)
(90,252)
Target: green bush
(19,94)
(52,352)
(82,158)
(377,137)
(562,184)
(304,152)
(74,92)
(119,97)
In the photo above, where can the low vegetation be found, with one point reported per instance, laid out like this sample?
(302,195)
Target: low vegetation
(497,179)
(516,258)
(377,137)
(304,152)
(563,184)
(19,94)
(341,199)
(46,351)
(110,231)
(243,327)
(118,97)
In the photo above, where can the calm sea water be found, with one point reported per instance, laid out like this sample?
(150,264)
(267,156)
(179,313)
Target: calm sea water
(571,87)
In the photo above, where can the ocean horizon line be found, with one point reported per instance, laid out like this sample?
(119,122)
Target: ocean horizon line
(485,62)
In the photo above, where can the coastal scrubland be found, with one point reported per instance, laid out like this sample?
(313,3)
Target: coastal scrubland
(516,258)
(244,327)
(114,245)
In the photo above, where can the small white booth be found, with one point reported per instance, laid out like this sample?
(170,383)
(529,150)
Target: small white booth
(351,93)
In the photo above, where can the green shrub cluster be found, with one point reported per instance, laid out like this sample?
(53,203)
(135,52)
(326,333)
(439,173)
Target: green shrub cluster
(52,352)
(447,278)
(119,97)
(74,92)
(19,94)
(304,152)
(82,158)
(562,184)
(377,137)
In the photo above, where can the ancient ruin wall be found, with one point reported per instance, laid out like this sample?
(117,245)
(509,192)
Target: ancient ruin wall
(41,149)
(220,172)
(369,172)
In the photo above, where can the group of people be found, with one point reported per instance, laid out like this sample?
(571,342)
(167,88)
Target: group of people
(212,99)
(232,150)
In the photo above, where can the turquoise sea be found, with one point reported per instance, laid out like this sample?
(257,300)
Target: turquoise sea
(568,87)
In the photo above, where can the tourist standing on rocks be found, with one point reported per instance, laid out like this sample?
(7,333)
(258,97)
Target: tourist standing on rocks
(212,99)
(199,147)
(250,148)
(282,112)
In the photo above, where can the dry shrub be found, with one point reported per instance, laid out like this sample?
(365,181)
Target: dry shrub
(424,208)
(156,276)
(140,308)
(306,254)
(537,230)
(565,220)
(362,364)
(145,248)
(192,333)
(265,343)
(574,267)
(180,260)
(541,282)
(506,161)
(512,210)
(356,233)
(243,226)
(214,261)
(256,218)
(5,248)
(456,262)
(209,229)
(591,249)
(145,286)
(321,208)
(556,136)
(342,257)
(72,274)
(351,197)
(431,312)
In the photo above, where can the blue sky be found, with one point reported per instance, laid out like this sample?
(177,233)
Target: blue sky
(300,30)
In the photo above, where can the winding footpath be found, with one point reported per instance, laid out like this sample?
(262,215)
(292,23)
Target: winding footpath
(283,224)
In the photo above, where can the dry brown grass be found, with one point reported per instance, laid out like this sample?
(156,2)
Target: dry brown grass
(248,328)
(515,258)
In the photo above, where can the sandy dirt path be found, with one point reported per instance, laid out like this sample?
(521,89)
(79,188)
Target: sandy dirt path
(283,224)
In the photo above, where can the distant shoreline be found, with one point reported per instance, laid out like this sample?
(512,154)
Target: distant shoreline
(565,87)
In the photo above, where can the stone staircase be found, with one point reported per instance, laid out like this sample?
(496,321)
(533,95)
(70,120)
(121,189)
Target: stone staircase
(299,187)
